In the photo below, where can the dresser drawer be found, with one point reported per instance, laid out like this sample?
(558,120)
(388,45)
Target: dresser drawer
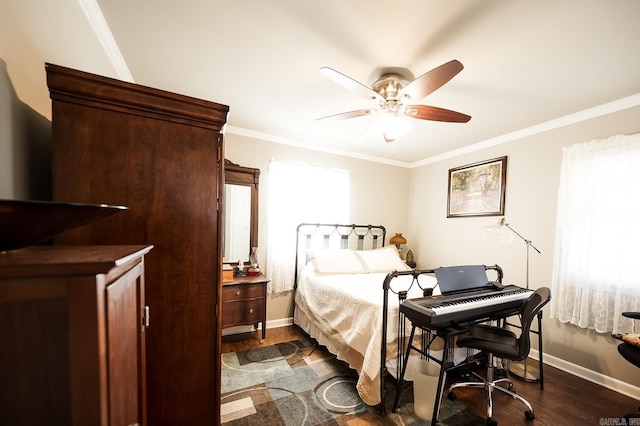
(242,292)
(242,312)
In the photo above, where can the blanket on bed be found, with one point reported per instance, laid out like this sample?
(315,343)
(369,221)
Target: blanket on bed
(347,308)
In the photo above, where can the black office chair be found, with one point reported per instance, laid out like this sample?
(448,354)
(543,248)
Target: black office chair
(630,346)
(502,343)
(630,350)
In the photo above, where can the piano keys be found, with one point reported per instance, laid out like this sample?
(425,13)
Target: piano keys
(441,311)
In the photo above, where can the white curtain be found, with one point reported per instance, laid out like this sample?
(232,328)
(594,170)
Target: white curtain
(597,249)
(299,193)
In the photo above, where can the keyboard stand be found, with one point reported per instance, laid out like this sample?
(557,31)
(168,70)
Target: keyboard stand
(447,334)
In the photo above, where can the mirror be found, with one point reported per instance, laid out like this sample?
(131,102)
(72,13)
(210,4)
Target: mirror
(237,199)
(240,212)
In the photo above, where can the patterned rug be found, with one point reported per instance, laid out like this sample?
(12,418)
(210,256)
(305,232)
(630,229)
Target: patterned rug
(299,383)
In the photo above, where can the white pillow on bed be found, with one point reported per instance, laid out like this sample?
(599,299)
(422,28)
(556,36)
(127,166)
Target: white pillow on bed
(385,259)
(336,261)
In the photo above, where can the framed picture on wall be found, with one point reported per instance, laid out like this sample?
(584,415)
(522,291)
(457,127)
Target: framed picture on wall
(477,189)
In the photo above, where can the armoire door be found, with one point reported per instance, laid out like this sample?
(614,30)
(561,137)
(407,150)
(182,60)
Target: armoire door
(125,313)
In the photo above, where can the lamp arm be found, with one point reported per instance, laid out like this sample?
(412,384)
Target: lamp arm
(528,242)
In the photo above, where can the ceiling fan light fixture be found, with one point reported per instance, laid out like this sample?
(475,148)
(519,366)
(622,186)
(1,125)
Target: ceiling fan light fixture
(392,126)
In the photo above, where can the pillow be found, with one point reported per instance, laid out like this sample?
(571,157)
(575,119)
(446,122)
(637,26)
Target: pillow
(385,259)
(338,261)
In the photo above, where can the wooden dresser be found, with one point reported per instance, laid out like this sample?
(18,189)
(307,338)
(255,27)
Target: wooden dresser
(72,332)
(244,302)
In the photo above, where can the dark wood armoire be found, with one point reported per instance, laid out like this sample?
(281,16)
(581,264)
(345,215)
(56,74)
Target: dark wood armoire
(161,155)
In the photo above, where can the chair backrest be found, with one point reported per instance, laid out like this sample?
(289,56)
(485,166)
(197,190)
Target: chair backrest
(532,306)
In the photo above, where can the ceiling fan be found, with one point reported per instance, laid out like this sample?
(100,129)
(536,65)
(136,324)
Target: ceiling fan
(395,95)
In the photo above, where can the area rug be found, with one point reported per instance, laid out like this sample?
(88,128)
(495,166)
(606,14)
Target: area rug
(299,383)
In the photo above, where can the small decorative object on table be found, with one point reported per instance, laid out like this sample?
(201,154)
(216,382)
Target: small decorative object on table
(254,268)
(409,261)
(240,272)
(227,273)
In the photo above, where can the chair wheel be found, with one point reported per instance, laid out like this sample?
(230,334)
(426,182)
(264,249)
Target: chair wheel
(529,415)
(492,422)
(452,396)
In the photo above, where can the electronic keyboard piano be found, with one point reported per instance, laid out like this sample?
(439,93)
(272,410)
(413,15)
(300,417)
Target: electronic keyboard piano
(467,307)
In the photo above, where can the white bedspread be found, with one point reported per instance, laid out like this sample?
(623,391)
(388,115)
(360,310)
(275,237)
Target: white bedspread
(347,309)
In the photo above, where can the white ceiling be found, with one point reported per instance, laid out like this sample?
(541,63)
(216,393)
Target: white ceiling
(526,62)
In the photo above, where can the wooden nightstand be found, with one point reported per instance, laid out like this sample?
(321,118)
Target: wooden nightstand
(244,302)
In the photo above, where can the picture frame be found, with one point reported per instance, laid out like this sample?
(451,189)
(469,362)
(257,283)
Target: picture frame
(477,189)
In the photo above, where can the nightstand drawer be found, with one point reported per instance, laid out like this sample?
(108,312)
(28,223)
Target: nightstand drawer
(242,311)
(242,292)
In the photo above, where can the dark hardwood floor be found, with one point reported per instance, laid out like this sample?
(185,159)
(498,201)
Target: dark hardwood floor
(565,400)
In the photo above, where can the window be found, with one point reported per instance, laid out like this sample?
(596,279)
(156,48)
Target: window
(597,249)
(299,193)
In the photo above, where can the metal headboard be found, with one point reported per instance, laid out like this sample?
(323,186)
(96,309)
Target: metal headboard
(323,235)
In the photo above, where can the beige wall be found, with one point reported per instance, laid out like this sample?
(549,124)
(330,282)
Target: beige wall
(533,173)
(379,192)
(25,146)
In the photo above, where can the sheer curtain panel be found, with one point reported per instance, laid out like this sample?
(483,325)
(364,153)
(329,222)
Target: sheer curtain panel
(595,273)
(299,193)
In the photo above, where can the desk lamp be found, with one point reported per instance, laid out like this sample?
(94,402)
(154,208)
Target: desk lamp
(519,370)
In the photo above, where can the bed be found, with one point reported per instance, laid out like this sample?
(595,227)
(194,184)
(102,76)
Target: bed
(348,288)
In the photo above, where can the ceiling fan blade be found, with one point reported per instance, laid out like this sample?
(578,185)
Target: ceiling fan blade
(424,112)
(349,83)
(432,80)
(350,114)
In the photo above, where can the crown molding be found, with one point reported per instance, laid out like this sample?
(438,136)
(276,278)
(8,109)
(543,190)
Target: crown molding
(241,131)
(99,25)
(587,114)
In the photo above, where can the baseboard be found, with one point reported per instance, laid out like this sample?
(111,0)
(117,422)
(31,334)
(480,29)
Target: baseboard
(574,369)
(282,322)
(590,375)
